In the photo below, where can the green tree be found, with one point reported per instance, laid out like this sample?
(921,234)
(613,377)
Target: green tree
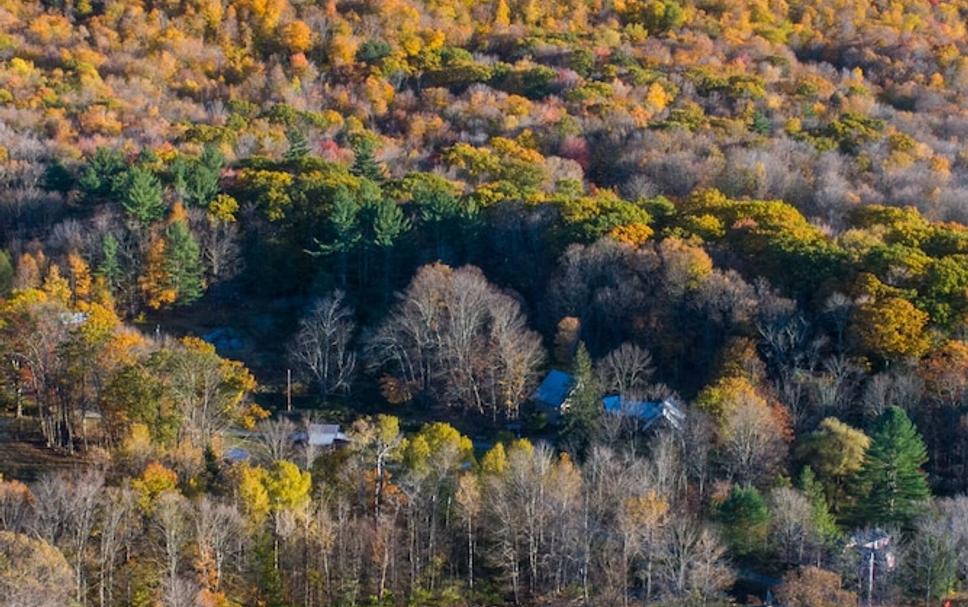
(6,274)
(200,182)
(183,262)
(298,146)
(141,196)
(99,173)
(344,228)
(823,521)
(745,519)
(893,487)
(364,163)
(389,224)
(584,410)
(438,206)
(110,267)
(57,178)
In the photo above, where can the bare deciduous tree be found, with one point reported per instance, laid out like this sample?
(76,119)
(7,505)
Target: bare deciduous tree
(691,561)
(117,525)
(626,370)
(216,528)
(171,522)
(792,524)
(457,337)
(321,347)
(275,439)
(752,443)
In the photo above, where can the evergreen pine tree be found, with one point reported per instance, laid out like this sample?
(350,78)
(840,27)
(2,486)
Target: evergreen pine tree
(57,178)
(439,209)
(110,266)
(183,263)
(389,223)
(894,488)
(98,176)
(202,177)
(141,196)
(823,520)
(344,228)
(585,410)
(298,146)
(746,520)
(344,222)
(364,164)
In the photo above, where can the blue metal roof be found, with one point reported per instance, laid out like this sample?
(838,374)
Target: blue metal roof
(555,388)
(646,411)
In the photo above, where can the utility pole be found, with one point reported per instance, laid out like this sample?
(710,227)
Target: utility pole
(289,390)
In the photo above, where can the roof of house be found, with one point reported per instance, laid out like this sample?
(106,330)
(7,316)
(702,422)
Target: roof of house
(648,412)
(558,385)
(320,435)
(237,454)
(554,389)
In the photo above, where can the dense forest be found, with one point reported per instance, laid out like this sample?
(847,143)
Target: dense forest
(230,227)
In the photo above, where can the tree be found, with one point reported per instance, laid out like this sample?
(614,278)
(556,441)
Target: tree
(835,451)
(813,587)
(626,370)
(364,163)
(567,337)
(752,441)
(198,180)
(823,521)
(930,558)
(456,338)
(297,37)
(217,527)
(890,328)
(183,263)
(389,224)
(691,562)
(288,486)
(98,176)
(945,373)
(154,481)
(170,518)
(32,572)
(893,487)
(321,347)
(792,526)
(6,274)
(468,499)
(207,391)
(344,230)
(298,146)
(584,410)
(276,439)
(141,197)
(155,283)
(746,520)
(438,207)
